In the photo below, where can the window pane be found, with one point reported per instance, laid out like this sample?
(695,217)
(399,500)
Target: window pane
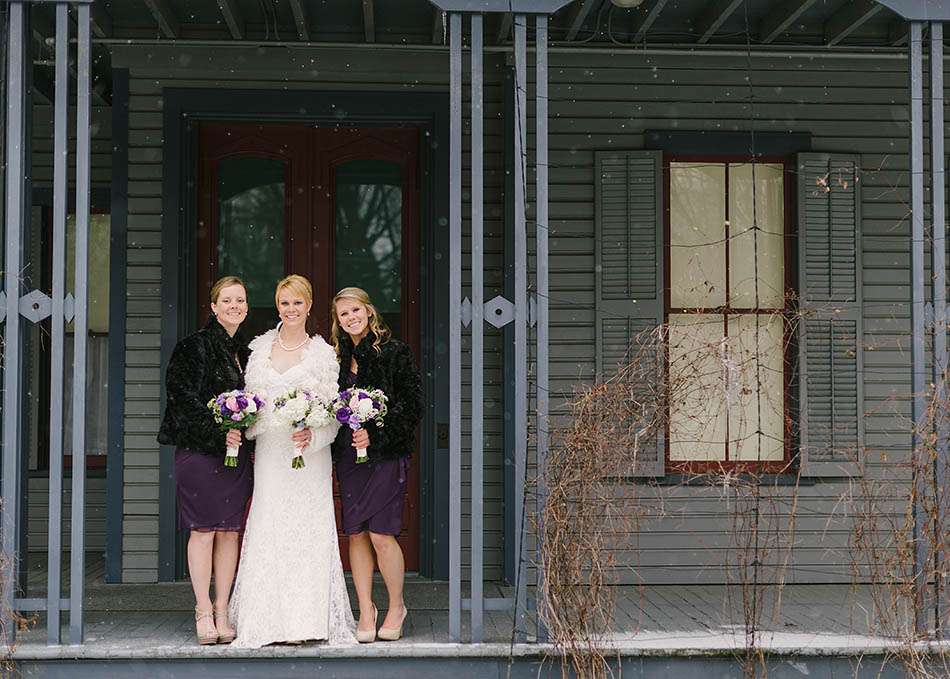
(697,230)
(369,233)
(97,271)
(756,387)
(697,388)
(251,222)
(756,255)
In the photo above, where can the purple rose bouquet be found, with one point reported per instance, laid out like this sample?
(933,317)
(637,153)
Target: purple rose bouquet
(356,406)
(236,409)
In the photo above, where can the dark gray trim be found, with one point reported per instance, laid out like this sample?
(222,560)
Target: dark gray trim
(508,333)
(119,218)
(504,6)
(711,143)
(518,667)
(424,109)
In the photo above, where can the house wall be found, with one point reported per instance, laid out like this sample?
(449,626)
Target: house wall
(599,101)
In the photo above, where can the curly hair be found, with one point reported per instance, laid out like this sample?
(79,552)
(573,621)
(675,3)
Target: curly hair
(376,323)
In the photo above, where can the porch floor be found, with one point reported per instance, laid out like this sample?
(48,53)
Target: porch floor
(155,621)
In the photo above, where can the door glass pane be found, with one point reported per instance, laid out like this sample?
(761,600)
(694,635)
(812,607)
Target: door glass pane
(369,233)
(251,224)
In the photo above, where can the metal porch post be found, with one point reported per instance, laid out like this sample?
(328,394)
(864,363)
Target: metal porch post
(541,333)
(16,216)
(455,327)
(478,320)
(919,377)
(938,266)
(77,544)
(520,416)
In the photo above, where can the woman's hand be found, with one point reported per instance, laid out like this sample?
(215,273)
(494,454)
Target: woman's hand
(233,438)
(302,438)
(361,438)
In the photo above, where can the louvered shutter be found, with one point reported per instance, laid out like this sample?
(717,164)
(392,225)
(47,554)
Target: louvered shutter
(629,270)
(831,357)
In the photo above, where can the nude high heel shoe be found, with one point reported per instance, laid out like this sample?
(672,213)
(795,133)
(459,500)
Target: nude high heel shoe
(394,633)
(368,636)
(226,633)
(207,637)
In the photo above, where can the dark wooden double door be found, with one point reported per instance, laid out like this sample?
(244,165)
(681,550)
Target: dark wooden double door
(337,205)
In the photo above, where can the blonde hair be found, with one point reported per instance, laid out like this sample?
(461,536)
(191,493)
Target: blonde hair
(222,283)
(376,323)
(296,285)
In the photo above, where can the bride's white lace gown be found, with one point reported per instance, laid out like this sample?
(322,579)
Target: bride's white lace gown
(290,585)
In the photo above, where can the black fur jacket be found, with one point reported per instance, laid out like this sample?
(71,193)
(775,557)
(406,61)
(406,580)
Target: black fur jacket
(202,366)
(393,370)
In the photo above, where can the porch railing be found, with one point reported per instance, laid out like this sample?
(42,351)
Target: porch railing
(20,306)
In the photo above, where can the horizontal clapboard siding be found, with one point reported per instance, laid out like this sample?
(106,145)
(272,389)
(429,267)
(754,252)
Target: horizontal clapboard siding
(38,514)
(606,103)
(274,69)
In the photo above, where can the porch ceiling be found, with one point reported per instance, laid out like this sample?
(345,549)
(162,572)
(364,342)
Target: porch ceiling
(814,23)
(810,24)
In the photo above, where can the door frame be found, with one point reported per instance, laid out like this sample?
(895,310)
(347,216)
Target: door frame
(427,111)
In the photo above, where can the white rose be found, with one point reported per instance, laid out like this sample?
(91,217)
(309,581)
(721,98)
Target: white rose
(251,406)
(364,408)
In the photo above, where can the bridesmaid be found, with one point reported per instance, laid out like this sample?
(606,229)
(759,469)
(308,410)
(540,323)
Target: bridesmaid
(372,494)
(211,497)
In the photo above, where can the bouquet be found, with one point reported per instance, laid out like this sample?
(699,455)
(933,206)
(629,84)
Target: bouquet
(301,409)
(236,409)
(355,406)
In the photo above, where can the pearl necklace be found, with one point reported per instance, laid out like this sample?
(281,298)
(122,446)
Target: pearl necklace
(284,346)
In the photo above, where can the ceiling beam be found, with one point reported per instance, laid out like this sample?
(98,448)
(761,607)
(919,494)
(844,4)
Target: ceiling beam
(101,22)
(578,15)
(780,18)
(848,19)
(168,23)
(437,32)
(300,19)
(714,17)
(645,20)
(232,17)
(504,27)
(369,21)
(898,31)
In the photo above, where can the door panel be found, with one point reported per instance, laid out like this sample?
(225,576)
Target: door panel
(370,175)
(338,205)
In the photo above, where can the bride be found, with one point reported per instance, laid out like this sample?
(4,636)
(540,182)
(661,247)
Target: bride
(290,585)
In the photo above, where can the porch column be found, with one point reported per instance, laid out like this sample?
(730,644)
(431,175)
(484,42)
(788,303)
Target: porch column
(16,214)
(35,306)
(498,311)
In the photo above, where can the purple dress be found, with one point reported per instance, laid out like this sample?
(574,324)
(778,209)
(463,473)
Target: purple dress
(211,496)
(372,494)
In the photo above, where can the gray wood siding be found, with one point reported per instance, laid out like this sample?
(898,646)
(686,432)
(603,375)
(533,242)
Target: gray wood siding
(606,102)
(598,102)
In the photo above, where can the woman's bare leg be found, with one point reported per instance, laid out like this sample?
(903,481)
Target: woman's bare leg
(362,564)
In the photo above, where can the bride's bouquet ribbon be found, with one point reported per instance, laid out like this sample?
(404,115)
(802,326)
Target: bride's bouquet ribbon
(237,409)
(358,405)
(300,409)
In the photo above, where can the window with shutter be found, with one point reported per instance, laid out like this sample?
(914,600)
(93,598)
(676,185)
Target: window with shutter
(831,354)
(727,314)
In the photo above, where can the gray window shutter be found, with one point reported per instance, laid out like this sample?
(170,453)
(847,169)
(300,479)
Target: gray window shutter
(831,356)
(629,271)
